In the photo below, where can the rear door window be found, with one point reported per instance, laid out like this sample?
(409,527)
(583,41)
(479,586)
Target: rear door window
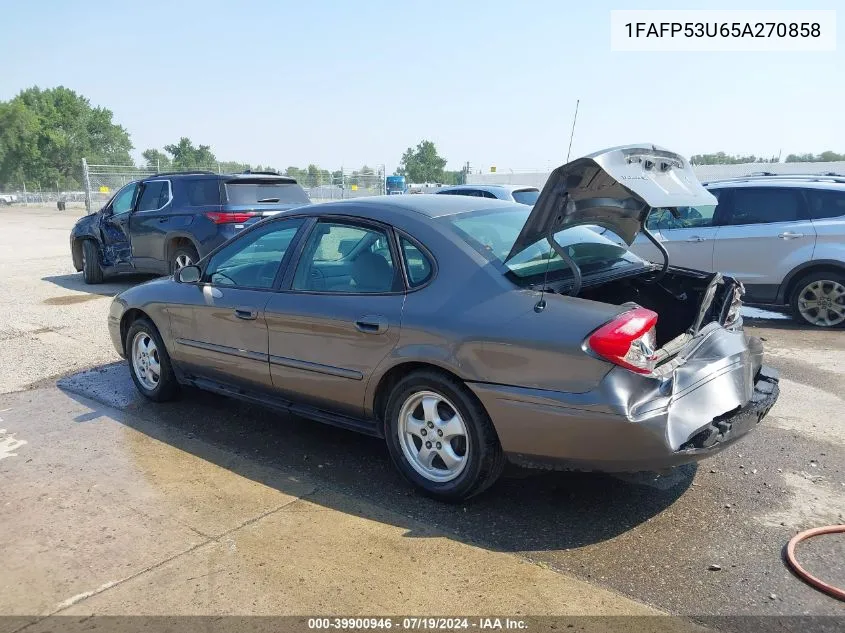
(156,194)
(764,205)
(826,204)
(250,192)
(417,265)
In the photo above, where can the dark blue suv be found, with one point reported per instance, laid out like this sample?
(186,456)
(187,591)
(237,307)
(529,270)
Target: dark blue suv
(167,221)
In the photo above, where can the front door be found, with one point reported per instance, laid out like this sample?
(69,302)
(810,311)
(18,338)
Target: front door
(114,227)
(339,316)
(765,233)
(220,325)
(688,238)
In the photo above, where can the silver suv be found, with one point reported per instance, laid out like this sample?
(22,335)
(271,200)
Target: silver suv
(782,236)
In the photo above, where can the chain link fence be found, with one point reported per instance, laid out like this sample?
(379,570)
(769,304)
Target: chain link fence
(322,185)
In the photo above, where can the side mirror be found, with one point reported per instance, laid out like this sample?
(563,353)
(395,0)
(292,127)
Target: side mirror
(188,275)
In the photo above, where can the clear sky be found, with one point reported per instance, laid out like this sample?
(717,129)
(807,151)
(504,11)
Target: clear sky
(346,83)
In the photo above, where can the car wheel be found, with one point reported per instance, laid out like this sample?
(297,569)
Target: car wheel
(819,299)
(92,272)
(183,256)
(441,438)
(149,362)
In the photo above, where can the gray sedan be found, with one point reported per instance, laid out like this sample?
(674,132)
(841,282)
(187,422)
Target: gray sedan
(467,331)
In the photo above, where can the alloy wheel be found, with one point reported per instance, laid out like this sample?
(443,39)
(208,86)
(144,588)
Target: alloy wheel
(433,436)
(822,303)
(146,361)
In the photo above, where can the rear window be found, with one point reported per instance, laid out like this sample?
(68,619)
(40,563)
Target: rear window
(493,233)
(526,196)
(264,192)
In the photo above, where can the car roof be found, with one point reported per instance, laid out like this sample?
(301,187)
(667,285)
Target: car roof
(810,182)
(427,204)
(490,188)
(200,174)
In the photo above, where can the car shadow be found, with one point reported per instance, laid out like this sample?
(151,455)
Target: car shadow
(110,287)
(524,511)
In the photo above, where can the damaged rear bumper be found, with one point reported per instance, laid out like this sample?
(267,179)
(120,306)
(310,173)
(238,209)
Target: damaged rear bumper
(630,423)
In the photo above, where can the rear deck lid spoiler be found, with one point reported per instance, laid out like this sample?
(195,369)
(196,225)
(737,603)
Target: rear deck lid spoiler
(614,188)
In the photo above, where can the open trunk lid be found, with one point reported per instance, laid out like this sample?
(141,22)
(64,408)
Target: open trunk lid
(614,188)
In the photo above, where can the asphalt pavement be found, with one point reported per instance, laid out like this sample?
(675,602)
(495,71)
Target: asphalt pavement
(118,505)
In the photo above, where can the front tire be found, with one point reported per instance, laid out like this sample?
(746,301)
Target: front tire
(440,437)
(819,300)
(92,272)
(183,256)
(149,362)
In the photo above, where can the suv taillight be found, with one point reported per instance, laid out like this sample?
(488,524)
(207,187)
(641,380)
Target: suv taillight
(238,217)
(628,341)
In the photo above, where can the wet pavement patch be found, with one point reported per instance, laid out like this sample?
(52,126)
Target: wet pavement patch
(66,300)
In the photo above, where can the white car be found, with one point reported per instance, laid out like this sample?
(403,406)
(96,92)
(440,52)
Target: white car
(783,237)
(512,193)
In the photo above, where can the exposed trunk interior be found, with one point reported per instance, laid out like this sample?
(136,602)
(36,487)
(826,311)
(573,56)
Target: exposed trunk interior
(677,299)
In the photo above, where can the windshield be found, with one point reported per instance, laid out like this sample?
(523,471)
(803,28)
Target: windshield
(526,196)
(493,233)
(266,192)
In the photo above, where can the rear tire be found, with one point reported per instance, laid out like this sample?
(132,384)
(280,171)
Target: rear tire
(819,300)
(92,272)
(440,437)
(183,256)
(149,362)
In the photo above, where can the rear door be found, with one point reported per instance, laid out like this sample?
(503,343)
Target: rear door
(220,326)
(764,233)
(338,315)
(689,239)
(149,225)
(827,210)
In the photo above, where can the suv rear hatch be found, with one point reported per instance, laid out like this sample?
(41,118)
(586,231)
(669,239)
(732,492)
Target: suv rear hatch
(250,197)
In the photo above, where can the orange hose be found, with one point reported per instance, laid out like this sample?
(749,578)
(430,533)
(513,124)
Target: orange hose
(802,573)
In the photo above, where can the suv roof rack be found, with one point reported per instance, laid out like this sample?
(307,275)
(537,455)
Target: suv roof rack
(825,177)
(184,173)
(267,172)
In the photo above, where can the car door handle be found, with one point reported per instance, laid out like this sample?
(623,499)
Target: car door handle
(696,238)
(372,324)
(789,235)
(246,314)
(163,220)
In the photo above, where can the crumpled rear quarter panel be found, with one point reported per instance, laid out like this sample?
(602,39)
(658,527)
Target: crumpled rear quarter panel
(629,421)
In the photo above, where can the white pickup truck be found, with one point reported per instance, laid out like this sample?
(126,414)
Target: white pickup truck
(7,199)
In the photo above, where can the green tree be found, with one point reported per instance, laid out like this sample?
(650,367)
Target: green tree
(721,158)
(187,157)
(45,134)
(813,158)
(155,159)
(422,164)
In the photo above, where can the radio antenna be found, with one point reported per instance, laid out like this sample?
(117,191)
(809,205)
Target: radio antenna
(574,118)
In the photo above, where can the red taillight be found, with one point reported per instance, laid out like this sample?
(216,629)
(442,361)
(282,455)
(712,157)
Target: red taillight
(238,217)
(628,341)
